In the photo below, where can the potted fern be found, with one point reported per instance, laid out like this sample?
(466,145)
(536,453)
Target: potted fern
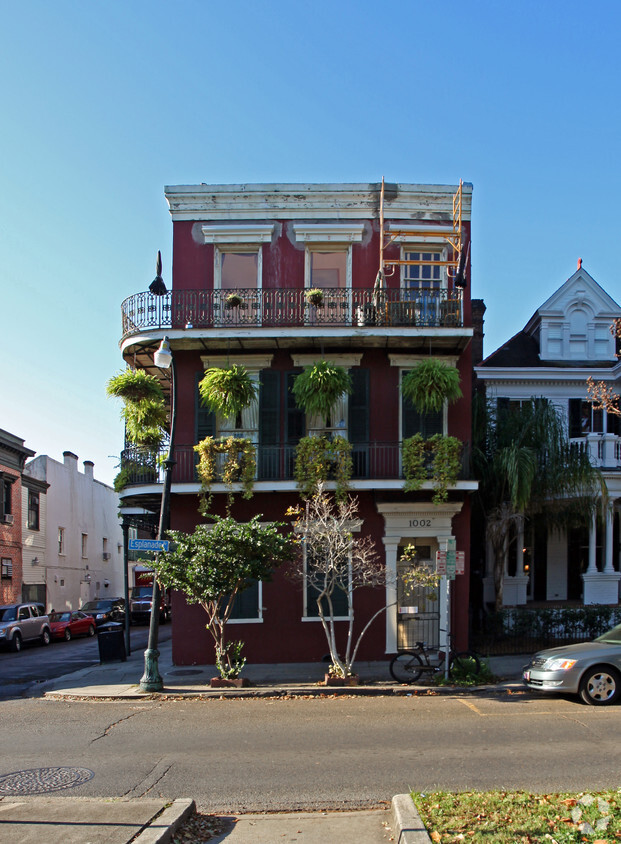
(430,384)
(134,385)
(233,300)
(227,390)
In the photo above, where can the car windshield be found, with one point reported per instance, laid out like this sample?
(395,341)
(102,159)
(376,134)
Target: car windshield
(98,605)
(60,616)
(142,592)
(612,637)
(8,613)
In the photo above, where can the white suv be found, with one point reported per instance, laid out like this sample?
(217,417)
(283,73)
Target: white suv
(22,623)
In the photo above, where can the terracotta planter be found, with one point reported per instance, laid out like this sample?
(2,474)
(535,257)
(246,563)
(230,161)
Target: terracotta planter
(229,683)
(352,680)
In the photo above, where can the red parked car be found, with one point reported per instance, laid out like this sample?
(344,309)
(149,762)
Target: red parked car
(65,625)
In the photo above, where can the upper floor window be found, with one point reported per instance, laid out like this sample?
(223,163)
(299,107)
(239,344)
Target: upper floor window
(6,498)
(328,269)
(85,545)
(61,540)
(425,271)
(328,256)
(7,568)
(237,270)
(33,510)
(238,254)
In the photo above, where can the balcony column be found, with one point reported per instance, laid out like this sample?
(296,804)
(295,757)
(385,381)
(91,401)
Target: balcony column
(602,587)
(592,569)
(515,588)
(608,566)
(391,545)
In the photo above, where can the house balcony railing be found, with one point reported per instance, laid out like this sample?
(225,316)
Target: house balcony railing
(604,450)
(344,307)
(370,461)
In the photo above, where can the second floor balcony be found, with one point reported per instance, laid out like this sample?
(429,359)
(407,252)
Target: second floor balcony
(375,462)
(604,450)
(267,308)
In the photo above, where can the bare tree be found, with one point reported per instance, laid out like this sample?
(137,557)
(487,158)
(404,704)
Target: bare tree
(601,394)
(333,562)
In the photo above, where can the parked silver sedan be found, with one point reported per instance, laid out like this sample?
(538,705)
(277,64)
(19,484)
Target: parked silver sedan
(590,669)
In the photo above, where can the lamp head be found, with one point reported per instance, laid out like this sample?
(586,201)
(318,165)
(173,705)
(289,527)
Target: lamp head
(163,356)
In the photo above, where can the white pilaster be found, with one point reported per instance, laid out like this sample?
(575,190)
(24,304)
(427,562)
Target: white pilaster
(391,546)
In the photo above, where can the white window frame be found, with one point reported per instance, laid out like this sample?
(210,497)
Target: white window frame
(344,360)
(85,546)
(260,608)
(61,542)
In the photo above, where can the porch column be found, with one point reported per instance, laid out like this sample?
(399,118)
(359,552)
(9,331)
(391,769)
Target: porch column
(592,569)
(391,545)
(608,565)
(519,568)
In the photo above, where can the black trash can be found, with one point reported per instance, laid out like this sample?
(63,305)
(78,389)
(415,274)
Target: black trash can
(111,638)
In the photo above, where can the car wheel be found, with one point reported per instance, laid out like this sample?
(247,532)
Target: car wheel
(91,630)
(67,635)
(16,643)
(600,685)
(45,637)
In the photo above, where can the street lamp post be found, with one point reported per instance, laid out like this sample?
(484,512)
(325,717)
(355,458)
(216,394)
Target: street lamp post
(151,680)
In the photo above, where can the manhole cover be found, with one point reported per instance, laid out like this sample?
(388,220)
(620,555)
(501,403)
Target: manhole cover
(42,780)
(186,673)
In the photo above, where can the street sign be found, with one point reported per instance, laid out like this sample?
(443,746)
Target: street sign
(460,562)
(441,562)
(148,545)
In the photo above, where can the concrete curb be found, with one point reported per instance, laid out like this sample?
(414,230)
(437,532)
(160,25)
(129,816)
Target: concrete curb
(406,821)
(161,830)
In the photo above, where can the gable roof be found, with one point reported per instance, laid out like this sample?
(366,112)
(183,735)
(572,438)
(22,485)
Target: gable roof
(521,350)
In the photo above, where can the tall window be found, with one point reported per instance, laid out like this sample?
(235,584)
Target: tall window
(33,510)
(5,499)
(85,545)
(414,422)
(7,568)
(61,540)
(239,270)
(315,569)
(426,274)
(328,269)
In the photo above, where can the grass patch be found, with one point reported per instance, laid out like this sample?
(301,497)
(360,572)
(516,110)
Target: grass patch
(518,817)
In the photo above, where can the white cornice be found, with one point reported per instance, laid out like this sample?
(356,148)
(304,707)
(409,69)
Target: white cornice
(345,360)
(403,360)
(544,374)
(308,201)
(251,362)
(328,232)
(247,233)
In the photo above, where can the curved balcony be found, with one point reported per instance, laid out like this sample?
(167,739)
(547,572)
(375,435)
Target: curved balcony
(342,307)
(371,461)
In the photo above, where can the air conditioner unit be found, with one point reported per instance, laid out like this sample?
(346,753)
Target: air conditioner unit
(106,555)
(8,518)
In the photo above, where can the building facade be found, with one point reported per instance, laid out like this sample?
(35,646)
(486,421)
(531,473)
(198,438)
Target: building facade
(567,340)
(13,456)
(76,554)
(385,260)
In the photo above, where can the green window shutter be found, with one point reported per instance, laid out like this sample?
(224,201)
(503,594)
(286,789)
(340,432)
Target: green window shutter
(295,420)
(575,418)
(246,604)
(358,427)
(269,424)
(205,418)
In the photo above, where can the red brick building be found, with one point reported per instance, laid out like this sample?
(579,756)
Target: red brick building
(266,246)
(13,456)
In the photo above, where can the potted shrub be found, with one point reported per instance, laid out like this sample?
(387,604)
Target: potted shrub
(318,459)
(430,384)
(239,464)
(233,300)
(438,458)
(314,296)
(318,388)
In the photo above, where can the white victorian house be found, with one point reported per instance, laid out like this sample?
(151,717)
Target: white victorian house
(567,339)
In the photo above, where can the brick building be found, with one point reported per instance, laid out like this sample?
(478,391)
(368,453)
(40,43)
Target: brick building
(244,260)
(13,456)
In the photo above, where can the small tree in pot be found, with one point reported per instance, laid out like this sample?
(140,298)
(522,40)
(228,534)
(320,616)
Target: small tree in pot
(214,564)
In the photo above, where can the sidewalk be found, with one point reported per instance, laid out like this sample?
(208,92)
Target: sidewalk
(121,679)
(75,820)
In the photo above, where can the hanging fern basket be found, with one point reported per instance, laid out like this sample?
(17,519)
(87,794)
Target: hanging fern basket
(430,384)
(227,390)
(318,388)
(134,385)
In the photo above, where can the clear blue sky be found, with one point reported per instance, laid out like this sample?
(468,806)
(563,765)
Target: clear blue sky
(105,103)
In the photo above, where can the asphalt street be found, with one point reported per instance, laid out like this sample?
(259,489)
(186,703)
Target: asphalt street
(20,673)
(328,752)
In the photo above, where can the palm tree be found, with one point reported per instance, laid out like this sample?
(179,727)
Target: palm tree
(525,466)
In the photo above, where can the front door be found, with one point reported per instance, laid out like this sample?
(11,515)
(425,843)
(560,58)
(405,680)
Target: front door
(418,608)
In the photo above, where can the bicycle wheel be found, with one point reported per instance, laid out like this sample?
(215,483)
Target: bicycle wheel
(406,667)
(464,664)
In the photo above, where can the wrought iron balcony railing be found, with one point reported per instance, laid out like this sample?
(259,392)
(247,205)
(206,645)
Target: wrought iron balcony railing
(371,461)
(354,307)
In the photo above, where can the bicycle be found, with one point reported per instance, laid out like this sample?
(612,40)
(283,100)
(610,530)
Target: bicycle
(408,666)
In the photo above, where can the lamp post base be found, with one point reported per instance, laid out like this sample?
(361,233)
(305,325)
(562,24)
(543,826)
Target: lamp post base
(151,680)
